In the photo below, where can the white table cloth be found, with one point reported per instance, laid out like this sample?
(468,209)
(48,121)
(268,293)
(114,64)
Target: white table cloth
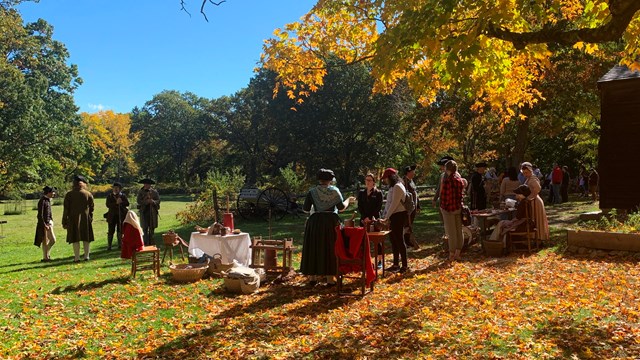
(231,247)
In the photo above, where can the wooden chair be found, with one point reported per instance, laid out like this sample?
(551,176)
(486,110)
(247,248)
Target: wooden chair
(171,240)
(264,254)
(347,260)
(146,259)
(526,237)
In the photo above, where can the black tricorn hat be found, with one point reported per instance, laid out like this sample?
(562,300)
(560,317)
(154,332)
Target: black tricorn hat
(523,190)
(443,160)
(48,189)
(146,181)
(409,168)
(80,178)
(325,174)
(481,164)
(117,184)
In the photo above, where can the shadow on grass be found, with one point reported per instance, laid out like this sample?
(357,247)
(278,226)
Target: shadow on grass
(583,339)
(276,296)
(91,285)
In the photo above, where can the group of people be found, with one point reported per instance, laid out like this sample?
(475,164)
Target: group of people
(325,200)
(77,218)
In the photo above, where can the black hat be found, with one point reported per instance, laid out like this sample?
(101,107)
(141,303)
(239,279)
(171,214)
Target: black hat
(146,181)
(481,164)
(80,178)
(523,190)
(117,184)
(48,189)
(443,160)
(409,168)
(325,174)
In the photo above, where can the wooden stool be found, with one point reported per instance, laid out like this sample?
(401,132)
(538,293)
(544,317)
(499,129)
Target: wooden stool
(262,250)
(146,259)
(170,240)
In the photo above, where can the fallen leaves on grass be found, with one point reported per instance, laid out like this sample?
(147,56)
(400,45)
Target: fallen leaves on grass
(542,306)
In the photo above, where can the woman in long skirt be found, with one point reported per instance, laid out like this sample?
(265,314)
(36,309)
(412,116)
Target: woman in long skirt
(539,213)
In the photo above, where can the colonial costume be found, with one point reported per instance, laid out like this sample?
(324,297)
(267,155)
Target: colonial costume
(131,236)
(318,255)
(117,204)
(77,217)
(478,191)
(148,204)
(539,213)
(44,229)
(519,222)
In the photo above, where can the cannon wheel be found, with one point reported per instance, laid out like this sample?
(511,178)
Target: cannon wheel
(274,199)
(246,207)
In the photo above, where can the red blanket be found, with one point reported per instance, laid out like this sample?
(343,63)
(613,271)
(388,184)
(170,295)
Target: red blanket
(354,236)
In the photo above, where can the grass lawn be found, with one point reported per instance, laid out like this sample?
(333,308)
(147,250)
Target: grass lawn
(545,305)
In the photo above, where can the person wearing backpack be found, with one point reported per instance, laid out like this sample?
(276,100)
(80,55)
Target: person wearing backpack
(410,186)
(395,214)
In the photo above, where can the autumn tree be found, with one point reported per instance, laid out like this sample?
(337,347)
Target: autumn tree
(491,51)
(111,145)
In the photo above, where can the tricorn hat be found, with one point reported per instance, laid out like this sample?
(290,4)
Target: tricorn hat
(326,174)
(117,184)
(80,178)
(523,190)
(443,160)
(146,181)
(47,189)
(409,168)
(388,172)
(481,164)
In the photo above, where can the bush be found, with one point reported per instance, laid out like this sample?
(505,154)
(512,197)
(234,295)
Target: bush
(227,186)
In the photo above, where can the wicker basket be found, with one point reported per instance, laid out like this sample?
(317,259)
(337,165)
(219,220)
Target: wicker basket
(216,267)
(188,272)
(493,248)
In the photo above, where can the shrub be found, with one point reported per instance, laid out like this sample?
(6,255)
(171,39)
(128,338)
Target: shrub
(201,210)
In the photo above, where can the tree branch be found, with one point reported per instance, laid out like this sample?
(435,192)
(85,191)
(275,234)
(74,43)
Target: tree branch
(204,2)
(622,12)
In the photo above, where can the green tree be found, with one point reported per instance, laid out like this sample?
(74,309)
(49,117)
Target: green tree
(39,137)
(170,128)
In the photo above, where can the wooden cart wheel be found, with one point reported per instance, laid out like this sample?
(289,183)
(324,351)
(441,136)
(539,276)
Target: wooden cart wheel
(275,200)
(246,207)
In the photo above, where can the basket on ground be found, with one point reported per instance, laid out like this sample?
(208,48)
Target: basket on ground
(216,266)
(188,272)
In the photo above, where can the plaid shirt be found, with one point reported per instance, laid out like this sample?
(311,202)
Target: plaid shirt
(451,193)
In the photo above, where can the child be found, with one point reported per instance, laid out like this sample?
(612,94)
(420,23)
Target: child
(131,235)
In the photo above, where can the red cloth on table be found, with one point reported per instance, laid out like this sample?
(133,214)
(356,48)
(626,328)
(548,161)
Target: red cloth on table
(355,235)
(131,241)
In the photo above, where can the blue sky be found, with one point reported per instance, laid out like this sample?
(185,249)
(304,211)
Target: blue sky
(129,50)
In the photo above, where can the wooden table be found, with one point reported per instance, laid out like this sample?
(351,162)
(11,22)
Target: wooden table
(230,247)
(377,238)
(486,214)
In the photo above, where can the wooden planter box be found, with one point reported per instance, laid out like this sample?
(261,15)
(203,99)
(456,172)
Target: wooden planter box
(603,240)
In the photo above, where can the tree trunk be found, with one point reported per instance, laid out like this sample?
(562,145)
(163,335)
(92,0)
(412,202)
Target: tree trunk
(522,142)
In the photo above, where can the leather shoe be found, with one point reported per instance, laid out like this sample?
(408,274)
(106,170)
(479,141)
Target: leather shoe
(394,268)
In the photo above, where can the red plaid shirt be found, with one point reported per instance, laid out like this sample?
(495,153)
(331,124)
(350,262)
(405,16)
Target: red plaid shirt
(451,193)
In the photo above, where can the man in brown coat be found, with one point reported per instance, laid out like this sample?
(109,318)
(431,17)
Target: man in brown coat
(77,217)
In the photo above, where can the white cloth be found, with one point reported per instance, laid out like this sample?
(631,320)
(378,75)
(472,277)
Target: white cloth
(132,219)
(230,247)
